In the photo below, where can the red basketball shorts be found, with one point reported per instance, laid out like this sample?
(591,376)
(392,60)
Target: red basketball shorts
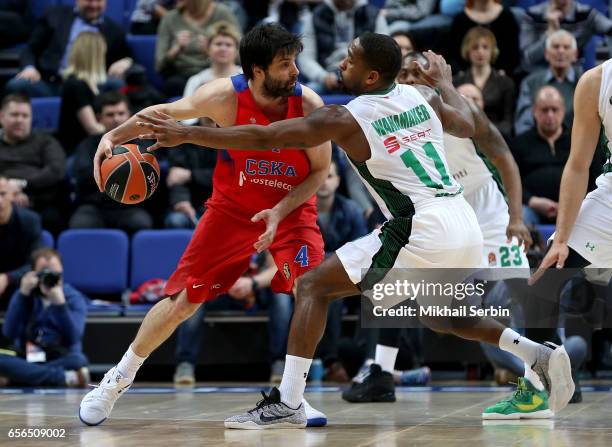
(221,248)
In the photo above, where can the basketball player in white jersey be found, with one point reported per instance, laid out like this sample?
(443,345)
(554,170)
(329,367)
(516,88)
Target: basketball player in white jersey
(394,138)
(484,165)
(583,235)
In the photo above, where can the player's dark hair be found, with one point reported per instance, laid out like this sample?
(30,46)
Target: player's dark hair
(264,42)
(382,54)
(110,98)
(15,97)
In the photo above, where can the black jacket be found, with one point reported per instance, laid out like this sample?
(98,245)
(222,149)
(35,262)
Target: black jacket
(50,36)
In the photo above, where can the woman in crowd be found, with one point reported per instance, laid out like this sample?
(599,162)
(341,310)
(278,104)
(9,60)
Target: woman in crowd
(85,72)
(479,49)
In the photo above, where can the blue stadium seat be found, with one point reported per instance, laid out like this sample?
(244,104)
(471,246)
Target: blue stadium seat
(143,50)
(47,239)
(546,230)
(155,254)
(130,5)
(95,261)
(336,99)
(378,3)
(38,7)
(45,113)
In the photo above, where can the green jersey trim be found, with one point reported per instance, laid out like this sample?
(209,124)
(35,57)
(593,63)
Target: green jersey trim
(493,170)
(398,204)
(381,92)
(394,235)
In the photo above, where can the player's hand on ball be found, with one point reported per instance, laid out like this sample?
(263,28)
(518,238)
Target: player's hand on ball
(105,150)
(518,229)
(163,128)
(556,256)
(437,71)
(272,219)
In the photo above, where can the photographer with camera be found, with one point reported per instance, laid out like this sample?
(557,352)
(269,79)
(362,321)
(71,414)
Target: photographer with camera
(45,321)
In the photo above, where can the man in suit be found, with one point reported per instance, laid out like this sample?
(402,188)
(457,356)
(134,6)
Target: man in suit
(46,55)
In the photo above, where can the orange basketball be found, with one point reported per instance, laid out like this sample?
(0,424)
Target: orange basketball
(131,175)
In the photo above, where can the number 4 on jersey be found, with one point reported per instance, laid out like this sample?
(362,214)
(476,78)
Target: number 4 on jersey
(302,256)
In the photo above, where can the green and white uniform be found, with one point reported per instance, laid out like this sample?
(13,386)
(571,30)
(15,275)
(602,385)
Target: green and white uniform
(484,191)
(591,236)
(430,224)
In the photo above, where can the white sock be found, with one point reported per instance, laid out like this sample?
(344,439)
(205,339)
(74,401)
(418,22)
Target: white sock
(130,363)
(385,357)
(531,375)
(71,378)
(513,342)
(294,380)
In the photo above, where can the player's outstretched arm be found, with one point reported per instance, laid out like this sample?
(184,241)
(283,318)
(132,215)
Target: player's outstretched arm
(324,124)
(574,182)
(209,100)
(490,141)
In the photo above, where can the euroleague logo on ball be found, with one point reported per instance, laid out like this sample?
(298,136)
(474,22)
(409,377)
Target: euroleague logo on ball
(131,175)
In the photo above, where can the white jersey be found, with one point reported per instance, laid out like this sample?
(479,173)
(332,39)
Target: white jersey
(408,161)
(605,113)
(467,165)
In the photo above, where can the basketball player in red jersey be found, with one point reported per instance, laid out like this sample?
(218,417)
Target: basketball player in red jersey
(261,200)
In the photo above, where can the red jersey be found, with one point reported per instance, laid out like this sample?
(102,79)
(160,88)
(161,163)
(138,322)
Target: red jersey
(246,182)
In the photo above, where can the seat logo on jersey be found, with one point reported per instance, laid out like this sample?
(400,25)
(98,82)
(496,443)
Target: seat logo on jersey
(404,120)
(272,168)
(392,144)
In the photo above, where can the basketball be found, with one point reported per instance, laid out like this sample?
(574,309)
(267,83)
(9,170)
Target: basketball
(131,175)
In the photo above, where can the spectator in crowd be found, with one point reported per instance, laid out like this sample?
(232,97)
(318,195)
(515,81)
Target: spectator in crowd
(500,20)
(416,16)
(15,22)
(46,321)
(35,159)
(327,33)
(541,153)
(561,53)
(20,235)
(341,221)
(95,209)
(45,57)
(147,14)
(581,20)
(479,48)
(182,42)
(289,13)
(405,41)
(82,78)
(190,183)
(251,291)
(222,49)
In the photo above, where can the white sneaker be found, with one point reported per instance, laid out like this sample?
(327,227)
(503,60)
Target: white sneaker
(314,418)
(97,405)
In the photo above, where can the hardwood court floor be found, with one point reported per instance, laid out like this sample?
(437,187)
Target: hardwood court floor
(446,416)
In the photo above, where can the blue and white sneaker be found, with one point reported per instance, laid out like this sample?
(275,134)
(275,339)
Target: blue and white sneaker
(97,405)
(314,417)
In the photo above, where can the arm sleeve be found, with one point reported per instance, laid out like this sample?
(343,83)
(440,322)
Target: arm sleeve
(381,27)
(40,38)
(532,42)
(308,58)
(413,11)
(32,239)
(523,119)
(71,316)
(16,316)
(601,23)
(54,165)
(165,37)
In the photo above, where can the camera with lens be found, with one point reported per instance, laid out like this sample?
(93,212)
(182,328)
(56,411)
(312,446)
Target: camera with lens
(48,278)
